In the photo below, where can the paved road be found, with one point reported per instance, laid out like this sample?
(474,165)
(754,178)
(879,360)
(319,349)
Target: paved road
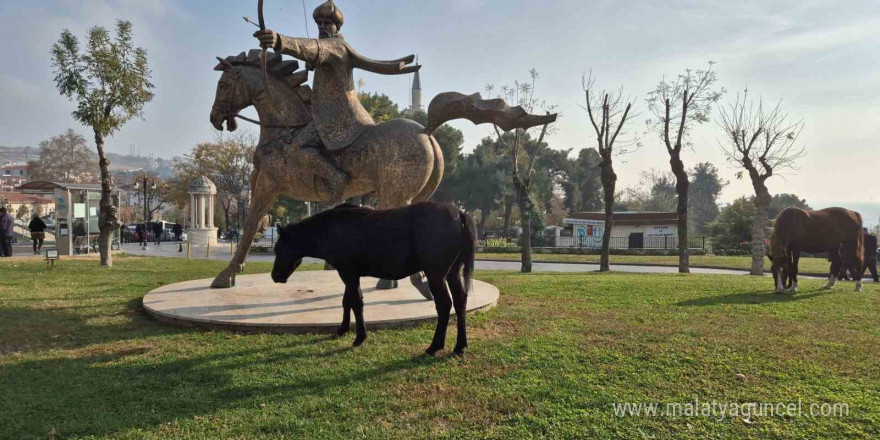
(222,253)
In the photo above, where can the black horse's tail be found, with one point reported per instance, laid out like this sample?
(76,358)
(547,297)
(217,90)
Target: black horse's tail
(469,248)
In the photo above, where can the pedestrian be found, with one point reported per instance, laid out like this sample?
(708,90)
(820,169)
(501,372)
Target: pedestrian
(871,255)
(38,233)
(7,223)
(157,231)
(178,231)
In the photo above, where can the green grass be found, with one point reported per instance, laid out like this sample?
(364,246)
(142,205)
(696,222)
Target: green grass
(807,265)
(79,359)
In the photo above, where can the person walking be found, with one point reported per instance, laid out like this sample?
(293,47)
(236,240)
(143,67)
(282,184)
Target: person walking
(871,255)
(178,231)
(38,233)
(157,231)
(7,223)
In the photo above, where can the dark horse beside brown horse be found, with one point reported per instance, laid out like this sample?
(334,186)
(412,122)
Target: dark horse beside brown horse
(836,231)
(428,237)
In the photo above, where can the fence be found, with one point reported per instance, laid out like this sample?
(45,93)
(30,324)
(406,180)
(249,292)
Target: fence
(596,243)
(268,241)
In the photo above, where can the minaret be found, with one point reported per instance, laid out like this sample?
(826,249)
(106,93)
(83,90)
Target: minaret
(416,92)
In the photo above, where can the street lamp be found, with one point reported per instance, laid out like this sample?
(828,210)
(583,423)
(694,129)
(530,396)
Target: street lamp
(151,182)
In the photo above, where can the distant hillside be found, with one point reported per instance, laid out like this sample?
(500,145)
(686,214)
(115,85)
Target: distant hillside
(118,162)
(17,154)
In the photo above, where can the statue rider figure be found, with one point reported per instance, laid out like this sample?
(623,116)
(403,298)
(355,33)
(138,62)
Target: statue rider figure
(339,118)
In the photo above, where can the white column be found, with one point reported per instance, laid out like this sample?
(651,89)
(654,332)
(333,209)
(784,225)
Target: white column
(210,211)
(192,211)
(202,211)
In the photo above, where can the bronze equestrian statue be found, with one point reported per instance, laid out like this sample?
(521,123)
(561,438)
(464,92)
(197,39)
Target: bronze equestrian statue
(319,144)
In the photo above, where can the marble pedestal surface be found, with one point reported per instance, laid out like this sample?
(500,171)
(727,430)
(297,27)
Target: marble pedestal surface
(310,302)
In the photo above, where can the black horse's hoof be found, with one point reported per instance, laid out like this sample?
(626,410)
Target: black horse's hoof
(459,351)
(432,350)
(358,341)
(341,331)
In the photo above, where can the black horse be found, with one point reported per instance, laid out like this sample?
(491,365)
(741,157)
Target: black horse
(428,237)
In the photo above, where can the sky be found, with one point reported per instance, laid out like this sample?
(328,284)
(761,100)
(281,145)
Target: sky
(818,57)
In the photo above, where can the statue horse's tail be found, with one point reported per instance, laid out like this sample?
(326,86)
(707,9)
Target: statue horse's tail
(452,105)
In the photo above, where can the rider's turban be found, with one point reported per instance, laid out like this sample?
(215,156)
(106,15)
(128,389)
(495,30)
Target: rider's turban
(329,11)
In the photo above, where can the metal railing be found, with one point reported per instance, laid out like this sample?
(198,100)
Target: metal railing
(667,242)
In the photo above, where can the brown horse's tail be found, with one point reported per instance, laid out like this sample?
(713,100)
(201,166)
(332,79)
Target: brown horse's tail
(436,174)
(468,250)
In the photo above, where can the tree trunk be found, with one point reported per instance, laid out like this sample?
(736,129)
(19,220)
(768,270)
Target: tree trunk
(108,221)
(759,249)
(609,183)
(681,188)
(508,208)
(482,228)
(525,219)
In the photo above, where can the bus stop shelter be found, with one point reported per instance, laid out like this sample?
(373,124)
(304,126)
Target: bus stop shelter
(77,210)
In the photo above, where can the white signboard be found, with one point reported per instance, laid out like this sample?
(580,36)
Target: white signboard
(660,231)
(578,221)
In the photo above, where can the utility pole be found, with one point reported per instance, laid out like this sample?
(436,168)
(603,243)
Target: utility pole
(146,179)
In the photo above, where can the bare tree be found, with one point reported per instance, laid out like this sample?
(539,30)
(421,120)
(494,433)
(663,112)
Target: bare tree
(762,143)
(676,106)
(524,95)
(608,112)
(228,162)
(64,158)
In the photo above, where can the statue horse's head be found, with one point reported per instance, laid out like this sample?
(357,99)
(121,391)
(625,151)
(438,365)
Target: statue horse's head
(242,85)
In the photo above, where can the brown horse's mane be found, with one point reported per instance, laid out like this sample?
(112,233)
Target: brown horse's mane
(275,64)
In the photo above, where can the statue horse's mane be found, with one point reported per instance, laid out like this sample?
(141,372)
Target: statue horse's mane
(275,65)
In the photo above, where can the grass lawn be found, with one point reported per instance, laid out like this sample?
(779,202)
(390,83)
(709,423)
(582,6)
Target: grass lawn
(807,265)
(79,359)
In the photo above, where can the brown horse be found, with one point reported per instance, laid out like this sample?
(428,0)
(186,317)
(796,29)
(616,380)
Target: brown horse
(834,230)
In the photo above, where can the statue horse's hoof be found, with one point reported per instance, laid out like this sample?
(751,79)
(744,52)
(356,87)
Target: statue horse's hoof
(223,281)
(386,284)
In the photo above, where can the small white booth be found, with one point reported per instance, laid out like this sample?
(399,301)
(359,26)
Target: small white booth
(202,231)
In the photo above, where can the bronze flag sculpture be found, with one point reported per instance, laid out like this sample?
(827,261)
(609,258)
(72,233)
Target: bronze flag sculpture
(319,144)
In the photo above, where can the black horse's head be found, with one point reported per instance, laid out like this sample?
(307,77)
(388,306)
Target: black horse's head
(288,255)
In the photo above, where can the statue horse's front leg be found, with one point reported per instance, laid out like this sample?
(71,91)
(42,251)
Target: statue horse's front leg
(261,202)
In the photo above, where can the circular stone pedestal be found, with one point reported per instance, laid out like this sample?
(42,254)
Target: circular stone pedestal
(311,301)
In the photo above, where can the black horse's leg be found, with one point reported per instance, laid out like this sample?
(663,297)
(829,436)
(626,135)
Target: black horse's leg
(793,281)
(836,264)
(348,302)
(459,301)
(443,303)
(358,308)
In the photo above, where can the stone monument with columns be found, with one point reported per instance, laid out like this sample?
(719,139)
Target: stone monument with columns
(202,231)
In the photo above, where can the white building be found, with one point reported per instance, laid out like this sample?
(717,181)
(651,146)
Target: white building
(631,230)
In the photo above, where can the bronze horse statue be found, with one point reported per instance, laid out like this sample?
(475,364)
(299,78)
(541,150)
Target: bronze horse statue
(398,161)
(836,231)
